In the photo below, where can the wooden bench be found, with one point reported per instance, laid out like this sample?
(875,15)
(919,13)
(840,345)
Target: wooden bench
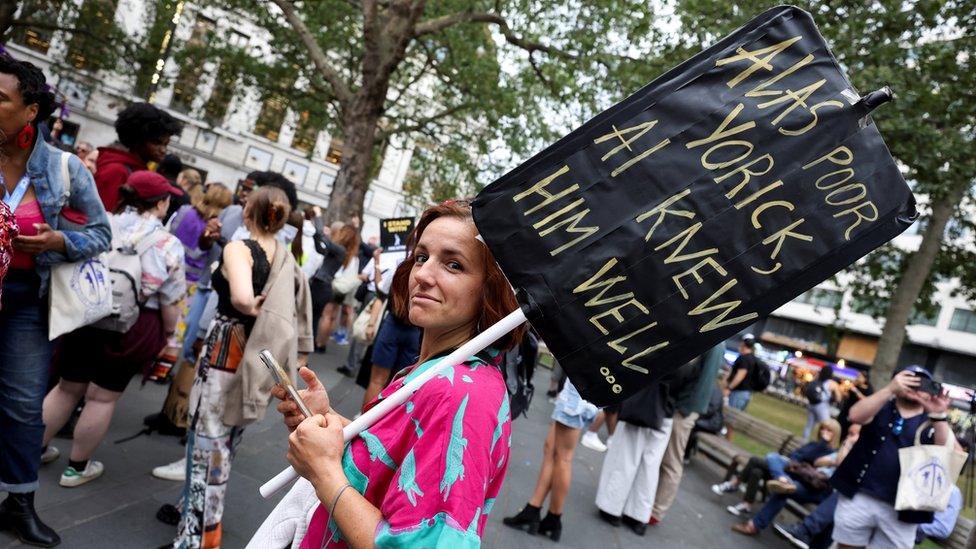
(723,452)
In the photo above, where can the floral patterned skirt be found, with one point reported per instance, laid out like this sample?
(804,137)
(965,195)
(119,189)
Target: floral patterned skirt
(210,443)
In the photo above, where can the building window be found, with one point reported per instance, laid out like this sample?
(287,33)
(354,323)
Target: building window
(963,321)
(34,38)
(271,117)
(819,297)
(306,133)
(188,81)
(225,83)
(334,154)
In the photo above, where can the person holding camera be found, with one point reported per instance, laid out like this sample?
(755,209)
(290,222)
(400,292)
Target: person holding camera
(867,480)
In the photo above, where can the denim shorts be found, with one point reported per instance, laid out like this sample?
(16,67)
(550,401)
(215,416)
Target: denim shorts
(739,399)
(571,410)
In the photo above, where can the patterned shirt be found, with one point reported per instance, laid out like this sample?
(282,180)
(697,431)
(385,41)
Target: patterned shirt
(8,231)
(163,278)
(434,465)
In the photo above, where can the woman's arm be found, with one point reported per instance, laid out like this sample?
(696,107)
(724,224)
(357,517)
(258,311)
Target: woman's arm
(315,449)
(171,316)
(96,236)
(237,268)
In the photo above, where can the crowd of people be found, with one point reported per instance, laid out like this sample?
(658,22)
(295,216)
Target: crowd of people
(215,274)
(219,273)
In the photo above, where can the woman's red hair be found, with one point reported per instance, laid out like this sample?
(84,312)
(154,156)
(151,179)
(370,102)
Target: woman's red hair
(498,298)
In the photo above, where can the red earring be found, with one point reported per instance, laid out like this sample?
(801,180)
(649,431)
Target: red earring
(25,137)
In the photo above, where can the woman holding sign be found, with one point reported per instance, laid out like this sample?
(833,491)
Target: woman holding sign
(427,473)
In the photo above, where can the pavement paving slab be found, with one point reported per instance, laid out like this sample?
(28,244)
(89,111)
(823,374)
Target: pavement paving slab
(118,510)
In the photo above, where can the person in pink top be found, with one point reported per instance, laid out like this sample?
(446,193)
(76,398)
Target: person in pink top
(426,474)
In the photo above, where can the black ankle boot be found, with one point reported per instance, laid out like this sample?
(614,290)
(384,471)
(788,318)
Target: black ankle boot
(17,513)
(551,526)
(527,519)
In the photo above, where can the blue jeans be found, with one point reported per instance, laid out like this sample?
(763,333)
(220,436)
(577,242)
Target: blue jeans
(815,414)
(820,521)
(197,304)
(777,465)
(776,502)
(739,399)
(25,360)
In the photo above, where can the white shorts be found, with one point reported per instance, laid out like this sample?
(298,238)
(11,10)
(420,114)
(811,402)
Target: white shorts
(863,521)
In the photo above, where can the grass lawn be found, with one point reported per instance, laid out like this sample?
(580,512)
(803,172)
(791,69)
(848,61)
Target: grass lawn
(778,412)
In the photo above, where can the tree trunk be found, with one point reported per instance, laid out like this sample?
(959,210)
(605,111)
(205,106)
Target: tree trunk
(352,182)
(904,297)
(7,10)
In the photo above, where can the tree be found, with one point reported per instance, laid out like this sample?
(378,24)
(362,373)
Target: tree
(925,52)
(466,78)
(93,39)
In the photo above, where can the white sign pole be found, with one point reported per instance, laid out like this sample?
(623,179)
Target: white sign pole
(472,347)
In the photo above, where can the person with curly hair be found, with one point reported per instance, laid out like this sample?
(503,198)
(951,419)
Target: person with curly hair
(144,132)
(52,231)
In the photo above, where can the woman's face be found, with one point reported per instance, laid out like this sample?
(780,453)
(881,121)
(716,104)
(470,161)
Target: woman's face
(447,276)
(826,434)
(14,114)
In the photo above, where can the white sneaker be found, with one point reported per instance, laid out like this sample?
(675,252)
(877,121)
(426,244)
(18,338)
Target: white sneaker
(739,509)
(592,441)
(51,453)
(723,488)
(71,478)
(172,471)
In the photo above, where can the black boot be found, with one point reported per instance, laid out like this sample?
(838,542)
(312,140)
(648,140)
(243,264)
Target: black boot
(17,513)
(527,519)
(551,526)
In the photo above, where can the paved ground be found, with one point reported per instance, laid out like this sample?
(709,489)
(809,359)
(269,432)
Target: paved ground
(118,509)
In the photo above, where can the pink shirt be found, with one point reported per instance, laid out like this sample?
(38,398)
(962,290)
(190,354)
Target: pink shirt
(28,214)
(434,465)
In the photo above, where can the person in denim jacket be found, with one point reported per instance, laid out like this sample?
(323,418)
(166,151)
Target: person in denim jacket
(53,229)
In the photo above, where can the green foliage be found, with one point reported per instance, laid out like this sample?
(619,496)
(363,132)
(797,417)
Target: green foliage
(923,49)
(94,40)
(477,102)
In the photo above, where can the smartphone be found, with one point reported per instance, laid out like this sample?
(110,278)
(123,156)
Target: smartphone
(281,378)
(926,385)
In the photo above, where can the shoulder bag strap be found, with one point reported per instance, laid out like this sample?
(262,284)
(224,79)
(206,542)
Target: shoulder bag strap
(65,177)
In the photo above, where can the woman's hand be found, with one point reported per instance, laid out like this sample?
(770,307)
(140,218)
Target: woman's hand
(315,396)
(315,449)
(370,331)
(46,239)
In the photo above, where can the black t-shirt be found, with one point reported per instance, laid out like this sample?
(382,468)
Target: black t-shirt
(747,362)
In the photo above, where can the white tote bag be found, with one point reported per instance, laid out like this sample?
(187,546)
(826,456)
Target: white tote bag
(928,473)
(81,292)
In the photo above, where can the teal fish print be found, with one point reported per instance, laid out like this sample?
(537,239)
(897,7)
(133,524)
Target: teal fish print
(377,450)
(454,468)
(408,479)
(502,418)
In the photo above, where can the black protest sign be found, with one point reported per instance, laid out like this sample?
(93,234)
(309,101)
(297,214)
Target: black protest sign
(720,191)
(394,233)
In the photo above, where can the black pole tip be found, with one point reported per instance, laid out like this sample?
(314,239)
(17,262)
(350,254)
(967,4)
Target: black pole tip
(876,98)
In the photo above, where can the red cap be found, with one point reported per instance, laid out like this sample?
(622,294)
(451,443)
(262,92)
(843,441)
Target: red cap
(150,184)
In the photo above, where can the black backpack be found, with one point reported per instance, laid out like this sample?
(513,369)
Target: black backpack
(517,369)
(761,376)
(815,392)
